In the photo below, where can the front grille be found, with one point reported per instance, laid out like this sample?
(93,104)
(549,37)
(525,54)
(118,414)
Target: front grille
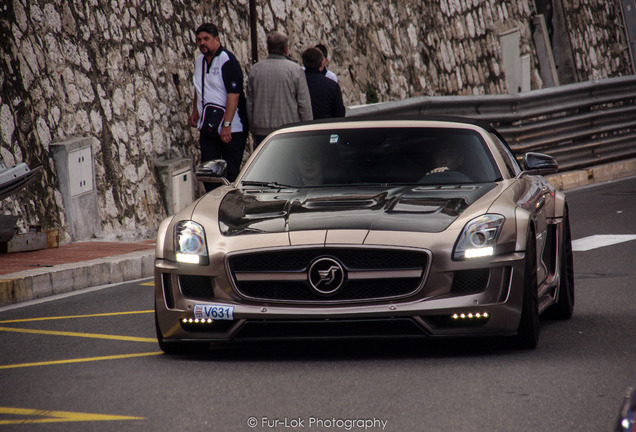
(388,267)
(299,259)
(196,287)
(470,281)
(355,290)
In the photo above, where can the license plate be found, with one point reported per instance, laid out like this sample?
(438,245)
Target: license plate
(214,312)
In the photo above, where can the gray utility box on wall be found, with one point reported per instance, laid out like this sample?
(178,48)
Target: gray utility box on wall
(74,163)
(177,178)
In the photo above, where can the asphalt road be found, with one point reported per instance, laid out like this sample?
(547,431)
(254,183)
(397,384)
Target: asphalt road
(90,362)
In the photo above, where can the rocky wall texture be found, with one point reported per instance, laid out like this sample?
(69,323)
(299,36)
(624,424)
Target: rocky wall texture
(121,72)
(597,35)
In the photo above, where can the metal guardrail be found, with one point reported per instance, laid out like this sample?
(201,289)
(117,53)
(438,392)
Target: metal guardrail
(580,125)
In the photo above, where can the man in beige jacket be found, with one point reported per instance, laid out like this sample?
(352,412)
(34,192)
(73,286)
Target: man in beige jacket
(277,92)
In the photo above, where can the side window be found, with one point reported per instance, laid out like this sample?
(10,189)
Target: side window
(511,162)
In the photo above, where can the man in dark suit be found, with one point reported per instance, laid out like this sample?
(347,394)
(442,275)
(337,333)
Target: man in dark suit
(326,97)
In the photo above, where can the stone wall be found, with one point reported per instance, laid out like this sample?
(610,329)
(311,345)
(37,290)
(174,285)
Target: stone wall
(598,41)
(120,71)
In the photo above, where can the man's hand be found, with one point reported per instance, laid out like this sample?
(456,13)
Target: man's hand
(226,134)
(438,170)
(194,118)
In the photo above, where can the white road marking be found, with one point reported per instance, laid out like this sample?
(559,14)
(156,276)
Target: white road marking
(598,241)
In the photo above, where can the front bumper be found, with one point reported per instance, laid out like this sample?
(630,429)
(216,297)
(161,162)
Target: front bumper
(433,312)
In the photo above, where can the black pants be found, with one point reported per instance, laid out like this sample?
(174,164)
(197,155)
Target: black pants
(213,148)
(258,139)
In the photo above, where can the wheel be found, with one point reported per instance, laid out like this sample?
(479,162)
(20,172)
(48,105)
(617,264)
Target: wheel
(179,348)
(528,331)
(564,307)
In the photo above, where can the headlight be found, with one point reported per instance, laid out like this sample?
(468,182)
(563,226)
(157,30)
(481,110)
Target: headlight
(478,237)
(189,243)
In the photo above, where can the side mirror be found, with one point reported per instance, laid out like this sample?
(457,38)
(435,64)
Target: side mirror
(539,163)
(212,172)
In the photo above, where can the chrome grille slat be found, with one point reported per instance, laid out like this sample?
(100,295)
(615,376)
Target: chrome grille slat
(352,275)
(260,276)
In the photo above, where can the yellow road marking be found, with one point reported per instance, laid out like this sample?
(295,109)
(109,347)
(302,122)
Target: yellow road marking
(57,416)
(151,283)
(77,316)
(76,334)
(78,360)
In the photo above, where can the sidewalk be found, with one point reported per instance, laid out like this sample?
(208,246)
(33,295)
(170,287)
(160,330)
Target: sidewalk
(30,275)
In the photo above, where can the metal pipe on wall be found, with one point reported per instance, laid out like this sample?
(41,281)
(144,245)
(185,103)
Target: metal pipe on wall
(253,34)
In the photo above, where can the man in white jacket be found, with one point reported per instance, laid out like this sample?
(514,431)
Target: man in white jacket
(218,83)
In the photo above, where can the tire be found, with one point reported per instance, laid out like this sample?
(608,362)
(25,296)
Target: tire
(528,331)
(179,348)
(564,306)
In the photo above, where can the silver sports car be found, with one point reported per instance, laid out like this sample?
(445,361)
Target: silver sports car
(377,227)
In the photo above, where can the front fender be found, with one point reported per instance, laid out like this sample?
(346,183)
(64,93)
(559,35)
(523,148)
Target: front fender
(524,220)
(161,237)
(559,205)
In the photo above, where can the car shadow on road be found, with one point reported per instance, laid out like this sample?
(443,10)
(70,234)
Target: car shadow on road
(329,350)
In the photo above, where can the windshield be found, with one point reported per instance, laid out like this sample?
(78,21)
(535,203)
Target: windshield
(373,156)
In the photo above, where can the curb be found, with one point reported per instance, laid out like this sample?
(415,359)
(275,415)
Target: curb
(37,283)
(596,174)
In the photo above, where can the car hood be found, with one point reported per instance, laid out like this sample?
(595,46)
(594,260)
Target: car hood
(423,209)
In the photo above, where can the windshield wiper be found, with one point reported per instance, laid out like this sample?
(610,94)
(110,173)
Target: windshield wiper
(271,185)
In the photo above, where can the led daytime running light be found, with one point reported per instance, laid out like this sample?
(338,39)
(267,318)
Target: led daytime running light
(471,316)
(479,252)
(196,321)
